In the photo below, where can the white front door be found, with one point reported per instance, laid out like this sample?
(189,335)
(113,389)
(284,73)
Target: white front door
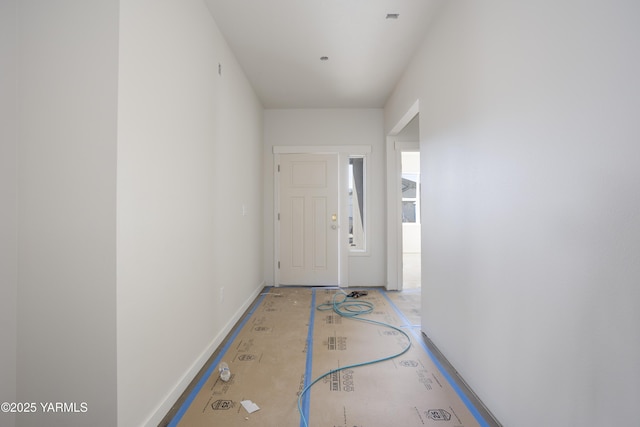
(309,220)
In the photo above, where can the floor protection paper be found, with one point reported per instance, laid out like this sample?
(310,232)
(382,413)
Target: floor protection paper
(286,343)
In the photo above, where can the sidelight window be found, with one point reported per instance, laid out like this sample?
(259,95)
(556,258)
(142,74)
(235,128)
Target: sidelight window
(357,199)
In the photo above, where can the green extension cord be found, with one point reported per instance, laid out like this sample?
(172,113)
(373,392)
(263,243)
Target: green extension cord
(349,307)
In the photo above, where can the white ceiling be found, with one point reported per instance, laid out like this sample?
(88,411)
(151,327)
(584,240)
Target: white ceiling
(279,44)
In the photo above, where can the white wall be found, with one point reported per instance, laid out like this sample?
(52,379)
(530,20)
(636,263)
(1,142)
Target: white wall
(8,201)
(531,227)
(304,127)
(189,156)
(66,69)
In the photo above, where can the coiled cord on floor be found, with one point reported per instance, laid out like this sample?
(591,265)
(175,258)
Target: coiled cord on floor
(351,308)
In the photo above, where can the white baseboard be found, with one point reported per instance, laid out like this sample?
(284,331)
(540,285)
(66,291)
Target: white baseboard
(193,370)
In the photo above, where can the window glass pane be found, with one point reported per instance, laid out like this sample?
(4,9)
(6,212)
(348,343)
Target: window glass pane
(356,203)
(408,188)
(408,211)
(410,197)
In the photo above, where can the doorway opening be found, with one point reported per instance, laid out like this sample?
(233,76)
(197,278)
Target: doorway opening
(411,229)
(404,245)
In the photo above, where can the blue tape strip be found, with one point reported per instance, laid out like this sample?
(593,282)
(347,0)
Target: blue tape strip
(185,405)
(306,399)
(450,379)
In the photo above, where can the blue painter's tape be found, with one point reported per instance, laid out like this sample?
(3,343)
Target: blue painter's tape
(306,399)
(451,381)
(185,406)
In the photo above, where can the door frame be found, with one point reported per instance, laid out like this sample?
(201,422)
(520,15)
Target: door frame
(394,197)
(343,152)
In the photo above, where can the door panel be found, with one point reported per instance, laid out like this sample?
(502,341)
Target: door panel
(297,232)
(308,189)
(320,216)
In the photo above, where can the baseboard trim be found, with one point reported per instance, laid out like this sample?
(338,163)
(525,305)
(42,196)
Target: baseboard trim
(170,404)
(453,373)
